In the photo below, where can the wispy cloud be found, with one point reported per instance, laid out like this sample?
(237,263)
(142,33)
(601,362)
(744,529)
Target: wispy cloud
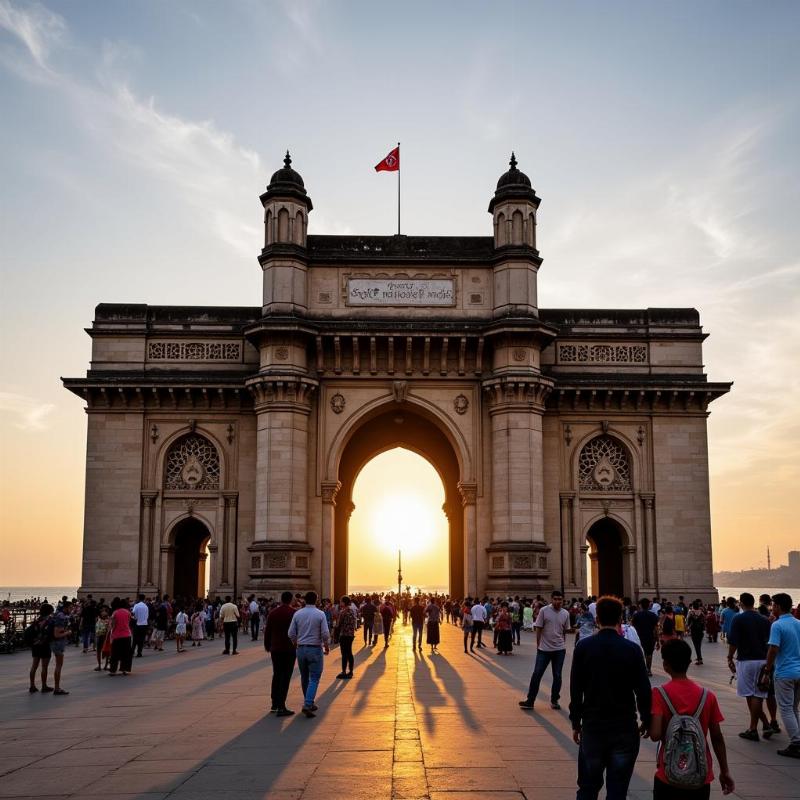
(27,413)
(36,27)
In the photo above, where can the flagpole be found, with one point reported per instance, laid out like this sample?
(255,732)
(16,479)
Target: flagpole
(398,189)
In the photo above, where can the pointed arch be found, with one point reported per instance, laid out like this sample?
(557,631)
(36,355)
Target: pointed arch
(283,225)
(516,228)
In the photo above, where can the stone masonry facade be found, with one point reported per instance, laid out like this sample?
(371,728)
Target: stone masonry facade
(558,432)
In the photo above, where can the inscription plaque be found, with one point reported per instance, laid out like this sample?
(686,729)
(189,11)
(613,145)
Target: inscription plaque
(400,292)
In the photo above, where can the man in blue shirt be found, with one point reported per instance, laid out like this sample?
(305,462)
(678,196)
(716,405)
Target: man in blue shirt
(727,615)
(783,661)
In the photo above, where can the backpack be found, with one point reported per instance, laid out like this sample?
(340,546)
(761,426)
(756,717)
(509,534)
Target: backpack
(37,634)
(685,761)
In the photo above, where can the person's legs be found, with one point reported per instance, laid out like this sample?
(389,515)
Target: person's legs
(346,646)
(287,668)
(557,660)
(620,761)
(115,651)
(591,763)
(314,658)
(302,663)
(127,655)
(466,638)
(542,660)
(480,634)
(787,693)
(57,671)
(648,657)
(86,635)
(235,637)
(697,641)
(32,675)
(367,632)
(45,665)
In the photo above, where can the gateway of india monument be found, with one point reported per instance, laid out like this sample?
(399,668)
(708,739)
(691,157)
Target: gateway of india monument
(224,443)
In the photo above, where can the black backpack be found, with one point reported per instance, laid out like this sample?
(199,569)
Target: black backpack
(37,634)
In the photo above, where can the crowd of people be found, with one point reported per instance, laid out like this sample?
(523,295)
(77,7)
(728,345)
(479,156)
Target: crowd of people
(614,645)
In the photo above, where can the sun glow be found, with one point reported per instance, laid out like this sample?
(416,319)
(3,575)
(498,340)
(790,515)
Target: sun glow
(398,499)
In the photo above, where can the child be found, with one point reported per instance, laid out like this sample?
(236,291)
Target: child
(180,629)
(685,696)
(198,626)
(100,633)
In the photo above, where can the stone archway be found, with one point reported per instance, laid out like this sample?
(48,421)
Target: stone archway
(188,569)
(606,540)
(399,426)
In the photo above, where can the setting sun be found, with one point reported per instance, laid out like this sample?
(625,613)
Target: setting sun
(398,498)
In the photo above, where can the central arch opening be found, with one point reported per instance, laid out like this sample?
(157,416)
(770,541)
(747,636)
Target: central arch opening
(189,559)
(398,498)
(605,540)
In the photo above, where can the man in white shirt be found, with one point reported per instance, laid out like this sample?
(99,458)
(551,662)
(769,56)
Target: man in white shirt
(255,617)
(552,625)
(310,635)
(141,614)
(478,622)
(229,614)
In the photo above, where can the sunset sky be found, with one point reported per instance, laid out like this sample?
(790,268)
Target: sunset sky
(136,137)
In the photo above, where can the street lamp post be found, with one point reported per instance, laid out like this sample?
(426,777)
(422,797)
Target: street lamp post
(399,574)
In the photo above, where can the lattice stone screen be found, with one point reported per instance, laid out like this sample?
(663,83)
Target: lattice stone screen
(604,467)
(192,463)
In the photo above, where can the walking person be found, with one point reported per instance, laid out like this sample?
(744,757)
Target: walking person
(160,627)
(783,663)
(119,629)
(466,621)
(100,636)
(645,621)
(478,612)
(309,633)
(747,640)
(417,614)
(608,684)
(502,626)
(282,652)
(37,637)
(198,623)
(682,697)
(229,614)
(387,618)
(696,625)
(88,619)
(141,615)
(551,626)
(181,621)
(432,635)
(368,611)
(255,618)
(347,632)
(59,635)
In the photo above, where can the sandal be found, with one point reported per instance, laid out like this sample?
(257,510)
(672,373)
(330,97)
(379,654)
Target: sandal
(60,691)
(33,689)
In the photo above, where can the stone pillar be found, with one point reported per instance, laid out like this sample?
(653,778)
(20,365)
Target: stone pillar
(518,557)
(147,584)
(648,545)
(569,548)
(227,543)
(280,553)
(469,500)
(329,491)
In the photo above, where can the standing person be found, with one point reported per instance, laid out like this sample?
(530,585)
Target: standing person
(608,682)
(466,620)
(100,635)
(680,696)
(646,623)
(282,652)
(119,629)
(527,616)
(696,625)
(552,625)
(255,618)
(160,627)
(181,621)
(783,662)
(59,626)
(368,611)
(347,632)
(516,621)
(88,619)
(229,614)
(310,635)
(748,640)
(727,615)
(141,613)
(417,614)
(387,617)
(37,637)
(198,625)
(505,640)
(377,627)
(434,616)
(478,612)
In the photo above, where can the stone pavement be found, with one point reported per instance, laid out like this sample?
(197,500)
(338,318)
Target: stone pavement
(444,727)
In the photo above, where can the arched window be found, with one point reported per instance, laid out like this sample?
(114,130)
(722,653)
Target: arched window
(604,466)
(268,227)
(501,229)
(298,228)
(516,228)
(283,225)
(192,463)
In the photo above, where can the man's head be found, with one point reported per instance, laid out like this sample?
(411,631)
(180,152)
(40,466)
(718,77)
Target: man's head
(345,600)
(286,598)
(609,611)
(227,598)
(677,656)
(557,599)
(765,599)
(311,598)
(747,600)
(644,604)
(783,602)
(141,598)
(731,602)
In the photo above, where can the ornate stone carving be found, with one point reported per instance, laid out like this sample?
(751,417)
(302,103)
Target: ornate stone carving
(231,433)
(255,562)
(507,394)
(194,351)
(400,391)
(192,463)
(603,466)
(461,404)
(602,353)
(521,562)
(301,562)
(154,434)
(276,560)
(568,435)
(329,491)
(291,392)
(281,353)
(498,562)
(519,354)
(469,493)
(542,562)
(338,403)
(605,424)
(640,435)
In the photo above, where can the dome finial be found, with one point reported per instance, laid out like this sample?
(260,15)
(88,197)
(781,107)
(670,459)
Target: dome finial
(513,162)
(287,161)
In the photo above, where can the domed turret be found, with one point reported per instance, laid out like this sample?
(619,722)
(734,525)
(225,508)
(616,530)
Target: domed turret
(286,206)
(514,208)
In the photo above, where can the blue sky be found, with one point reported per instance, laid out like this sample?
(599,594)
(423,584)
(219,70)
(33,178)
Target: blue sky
(135,138)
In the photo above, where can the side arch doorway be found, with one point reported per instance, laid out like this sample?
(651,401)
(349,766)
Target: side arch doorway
(606,541)
(189,558)
(402,427)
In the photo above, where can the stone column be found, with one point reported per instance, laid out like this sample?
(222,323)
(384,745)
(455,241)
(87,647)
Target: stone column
(568,544)
(518,557)
(469,500)
(227,541)
(282,405)
(329,491)
(648,546)
(148,545)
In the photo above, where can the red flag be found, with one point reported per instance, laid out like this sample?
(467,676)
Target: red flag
(391,163)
